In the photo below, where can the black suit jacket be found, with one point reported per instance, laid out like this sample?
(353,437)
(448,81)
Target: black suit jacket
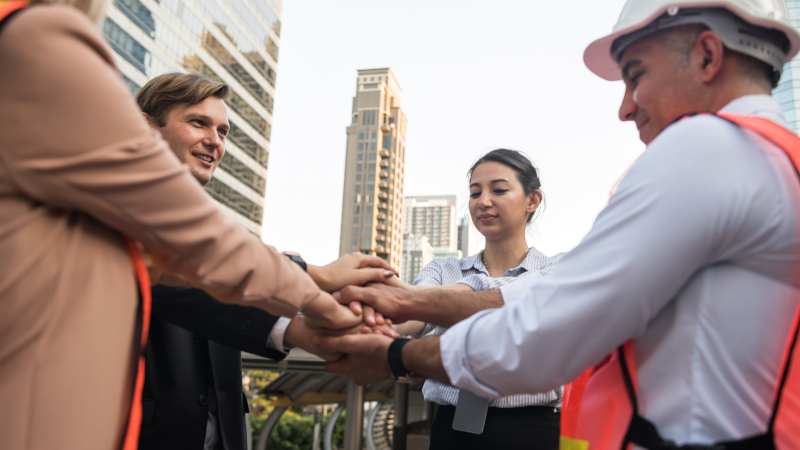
(193,355)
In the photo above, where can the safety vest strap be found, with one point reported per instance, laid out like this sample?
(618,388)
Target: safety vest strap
(131,440)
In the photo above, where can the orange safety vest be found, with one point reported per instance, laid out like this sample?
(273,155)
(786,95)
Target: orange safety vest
(600,407)
(131,439)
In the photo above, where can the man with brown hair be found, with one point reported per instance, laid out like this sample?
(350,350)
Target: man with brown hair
(193,396)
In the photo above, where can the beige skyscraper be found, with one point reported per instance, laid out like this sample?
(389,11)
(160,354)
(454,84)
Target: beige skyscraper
(372,207)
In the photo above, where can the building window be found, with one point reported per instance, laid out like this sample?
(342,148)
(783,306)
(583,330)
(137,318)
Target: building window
(373,156)
(358,167)
(368,209)
(361,146)
(356,209)
(373,145)
(361,135)
(358,188)
(367,198)
(370,167)
(360,156)
(358,198)
(368,220)
(355,231)
(354,241)
(125,45)
(358,177)
(374,135)
(370,188)
(366,242)
(234,200)
(355,220)
(370,177)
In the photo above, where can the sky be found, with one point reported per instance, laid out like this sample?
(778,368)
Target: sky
(475,76)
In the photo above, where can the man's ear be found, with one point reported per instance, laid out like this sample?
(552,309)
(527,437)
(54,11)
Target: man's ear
(708,55)
(150,121)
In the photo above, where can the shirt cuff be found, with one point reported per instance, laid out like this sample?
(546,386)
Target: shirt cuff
(455,358)
(513,292)
(275,340)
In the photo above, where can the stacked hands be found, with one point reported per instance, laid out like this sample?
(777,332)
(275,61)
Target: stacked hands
(341,310)
(362,309)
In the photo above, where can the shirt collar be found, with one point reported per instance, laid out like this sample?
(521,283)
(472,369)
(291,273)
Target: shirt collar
(528,264)
(758,105)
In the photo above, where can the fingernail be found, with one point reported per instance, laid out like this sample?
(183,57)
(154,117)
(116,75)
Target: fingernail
(388,274)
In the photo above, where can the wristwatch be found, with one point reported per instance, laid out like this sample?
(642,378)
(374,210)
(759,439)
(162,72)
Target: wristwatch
(399,371)
(297,259)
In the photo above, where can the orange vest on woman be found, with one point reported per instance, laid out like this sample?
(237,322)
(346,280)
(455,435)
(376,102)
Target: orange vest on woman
(131,438)
(600,407)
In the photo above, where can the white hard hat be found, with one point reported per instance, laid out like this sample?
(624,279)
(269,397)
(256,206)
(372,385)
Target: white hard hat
(740,24)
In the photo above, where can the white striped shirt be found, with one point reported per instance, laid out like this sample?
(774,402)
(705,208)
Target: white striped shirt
(472,272)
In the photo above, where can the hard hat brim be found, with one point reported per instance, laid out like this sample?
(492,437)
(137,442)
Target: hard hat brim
(599,60)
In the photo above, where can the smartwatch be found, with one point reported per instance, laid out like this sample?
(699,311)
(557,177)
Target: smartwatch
(399,371)
(297,259)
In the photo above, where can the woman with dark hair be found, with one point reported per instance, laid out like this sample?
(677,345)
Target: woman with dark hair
(504,196)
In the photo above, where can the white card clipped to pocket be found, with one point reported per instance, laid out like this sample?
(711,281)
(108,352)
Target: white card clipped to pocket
(470,413)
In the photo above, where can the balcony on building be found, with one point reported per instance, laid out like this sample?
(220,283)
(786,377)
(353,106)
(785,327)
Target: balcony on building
(381,228)
(385,153)
(380,238)
(383,205)
(383,195)
(384,174)
(383,185)
(380,250)
(385,163)
(382,216)
(387,127)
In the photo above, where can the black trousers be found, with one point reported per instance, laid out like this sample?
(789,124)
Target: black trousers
(529,428)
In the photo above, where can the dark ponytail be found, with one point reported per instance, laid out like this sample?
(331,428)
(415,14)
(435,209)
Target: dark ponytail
(526,173)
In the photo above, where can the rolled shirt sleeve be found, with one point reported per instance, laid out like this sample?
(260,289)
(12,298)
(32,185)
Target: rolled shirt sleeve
(668,219)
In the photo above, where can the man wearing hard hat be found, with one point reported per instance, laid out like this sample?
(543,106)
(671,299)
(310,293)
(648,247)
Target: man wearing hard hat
(678,312)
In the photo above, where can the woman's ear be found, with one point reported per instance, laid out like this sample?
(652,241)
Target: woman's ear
(534,200)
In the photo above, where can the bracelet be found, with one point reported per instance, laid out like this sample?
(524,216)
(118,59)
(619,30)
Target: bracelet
(395,355)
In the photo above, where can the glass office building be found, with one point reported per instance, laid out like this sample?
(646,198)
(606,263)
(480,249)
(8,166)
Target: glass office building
(231,41)
(788,90)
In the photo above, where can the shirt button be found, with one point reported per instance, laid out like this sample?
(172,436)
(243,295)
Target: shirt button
(197,339)
(246,325)
(203,400)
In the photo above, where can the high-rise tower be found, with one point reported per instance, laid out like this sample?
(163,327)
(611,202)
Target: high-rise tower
(372,207)
(230,41)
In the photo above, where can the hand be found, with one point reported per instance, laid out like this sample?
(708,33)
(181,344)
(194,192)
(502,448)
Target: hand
(299,334)
(325,312)
(396,300)
(371,317)
(366,356)
(355,268)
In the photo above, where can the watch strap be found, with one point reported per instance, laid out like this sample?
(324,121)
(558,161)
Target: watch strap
(298,260)
(396,358)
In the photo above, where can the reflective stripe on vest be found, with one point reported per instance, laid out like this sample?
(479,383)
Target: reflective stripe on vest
(600,407)
(131,439)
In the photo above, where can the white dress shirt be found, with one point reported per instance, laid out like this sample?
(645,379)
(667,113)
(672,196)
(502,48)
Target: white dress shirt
(472,272)
(695,258)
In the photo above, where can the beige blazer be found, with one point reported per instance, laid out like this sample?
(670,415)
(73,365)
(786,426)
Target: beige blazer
(78,169)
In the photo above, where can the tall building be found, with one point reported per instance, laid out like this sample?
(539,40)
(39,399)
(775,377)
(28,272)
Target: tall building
(433,216)
(788,90)
(468,237)
(417,252)
(372,207)
(230,41)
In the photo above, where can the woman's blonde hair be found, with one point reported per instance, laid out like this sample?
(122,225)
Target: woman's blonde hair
(95,9)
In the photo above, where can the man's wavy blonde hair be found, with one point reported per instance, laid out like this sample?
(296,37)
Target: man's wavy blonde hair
(95,9)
